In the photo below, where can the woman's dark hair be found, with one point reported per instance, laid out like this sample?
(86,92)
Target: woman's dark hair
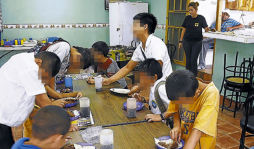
(86,54)
(147,18)
(50,120)
(194,5)
(102,47)
(50,62)
(181,83)
(152,67)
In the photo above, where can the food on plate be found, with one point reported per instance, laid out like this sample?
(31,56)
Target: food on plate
(77,146)
(70,113)
(68,146)
(167,144)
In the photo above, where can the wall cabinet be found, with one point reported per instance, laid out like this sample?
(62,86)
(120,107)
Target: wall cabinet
(245,5)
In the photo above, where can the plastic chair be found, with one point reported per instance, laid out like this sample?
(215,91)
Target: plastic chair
(238,81)
(247,123)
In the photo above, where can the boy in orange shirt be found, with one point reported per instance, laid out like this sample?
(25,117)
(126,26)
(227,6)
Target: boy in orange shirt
(195,108)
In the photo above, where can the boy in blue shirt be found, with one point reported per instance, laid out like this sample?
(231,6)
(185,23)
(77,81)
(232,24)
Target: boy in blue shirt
(50,127)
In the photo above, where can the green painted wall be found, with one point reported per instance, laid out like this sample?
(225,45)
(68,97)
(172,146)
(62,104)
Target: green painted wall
(158,8)
(230,48)
(56,11)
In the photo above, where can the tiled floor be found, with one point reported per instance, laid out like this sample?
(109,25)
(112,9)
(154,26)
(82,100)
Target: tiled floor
(228,132)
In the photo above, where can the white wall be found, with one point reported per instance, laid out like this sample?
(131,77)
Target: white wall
(207,8)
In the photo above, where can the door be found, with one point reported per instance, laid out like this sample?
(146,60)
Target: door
(232,5)
(243,5)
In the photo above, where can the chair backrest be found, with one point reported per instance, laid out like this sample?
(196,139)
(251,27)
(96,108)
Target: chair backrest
(171,50)
(248,108)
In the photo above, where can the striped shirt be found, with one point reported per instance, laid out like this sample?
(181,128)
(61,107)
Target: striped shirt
(109,68)
(228,23)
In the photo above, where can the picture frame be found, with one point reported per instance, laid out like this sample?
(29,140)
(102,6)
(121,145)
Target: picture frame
(106,4)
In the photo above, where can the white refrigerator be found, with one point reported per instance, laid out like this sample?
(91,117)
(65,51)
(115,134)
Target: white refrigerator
(121,21)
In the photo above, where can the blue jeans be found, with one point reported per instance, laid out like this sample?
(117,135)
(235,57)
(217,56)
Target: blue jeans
(206,44)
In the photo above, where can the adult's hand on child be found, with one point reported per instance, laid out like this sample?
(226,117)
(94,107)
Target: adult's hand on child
(73,128)
(153,118)
(59,103)
(134,89)
(79,95)
(175,134)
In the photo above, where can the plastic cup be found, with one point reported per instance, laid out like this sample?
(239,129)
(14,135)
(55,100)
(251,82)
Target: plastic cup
(131,107)
(107,139)
(68,82)
(98,83)
(84,107)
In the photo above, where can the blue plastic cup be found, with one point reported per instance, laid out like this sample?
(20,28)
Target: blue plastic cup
(68,82)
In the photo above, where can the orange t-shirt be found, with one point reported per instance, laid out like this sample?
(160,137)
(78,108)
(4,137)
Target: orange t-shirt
(202,115)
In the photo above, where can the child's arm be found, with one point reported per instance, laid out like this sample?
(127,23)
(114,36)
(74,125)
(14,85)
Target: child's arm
(175,133)
(193,139)
(52,93)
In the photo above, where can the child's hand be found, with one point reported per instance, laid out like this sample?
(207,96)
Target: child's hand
(134,89)
(175,134)
(153,118)
(79,95)
(59,103)
(137,96)
(73,128)
(68,138)
(90,80)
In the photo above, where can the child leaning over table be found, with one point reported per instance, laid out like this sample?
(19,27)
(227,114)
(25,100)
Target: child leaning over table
(106,66)
(195,108)
(150,74)
(50,128)
(27,131)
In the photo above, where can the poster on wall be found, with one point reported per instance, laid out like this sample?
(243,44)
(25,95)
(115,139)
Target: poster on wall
(106,4)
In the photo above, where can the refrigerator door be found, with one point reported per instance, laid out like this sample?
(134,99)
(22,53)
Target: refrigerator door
(121,31)
(114,28)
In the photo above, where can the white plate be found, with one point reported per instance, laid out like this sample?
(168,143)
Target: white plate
(120,90)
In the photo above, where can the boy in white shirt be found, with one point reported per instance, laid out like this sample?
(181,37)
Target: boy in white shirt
(22,79)
(151,79)
(144,25)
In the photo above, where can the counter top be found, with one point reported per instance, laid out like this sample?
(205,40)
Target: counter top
(236,38)
(14,48)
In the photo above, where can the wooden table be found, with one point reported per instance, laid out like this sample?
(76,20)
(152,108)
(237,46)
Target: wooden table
(107,109)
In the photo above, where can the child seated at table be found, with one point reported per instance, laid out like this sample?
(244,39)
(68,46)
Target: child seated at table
(151,80)
(27,131)
(195,108)
(106,65)
(50,128)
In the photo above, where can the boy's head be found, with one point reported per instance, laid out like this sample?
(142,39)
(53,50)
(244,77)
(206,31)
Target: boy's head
(99,51)
(86,54)
(144,23)
(49,65)
(182,87)
(76,61)
(150,70)
(51,124)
